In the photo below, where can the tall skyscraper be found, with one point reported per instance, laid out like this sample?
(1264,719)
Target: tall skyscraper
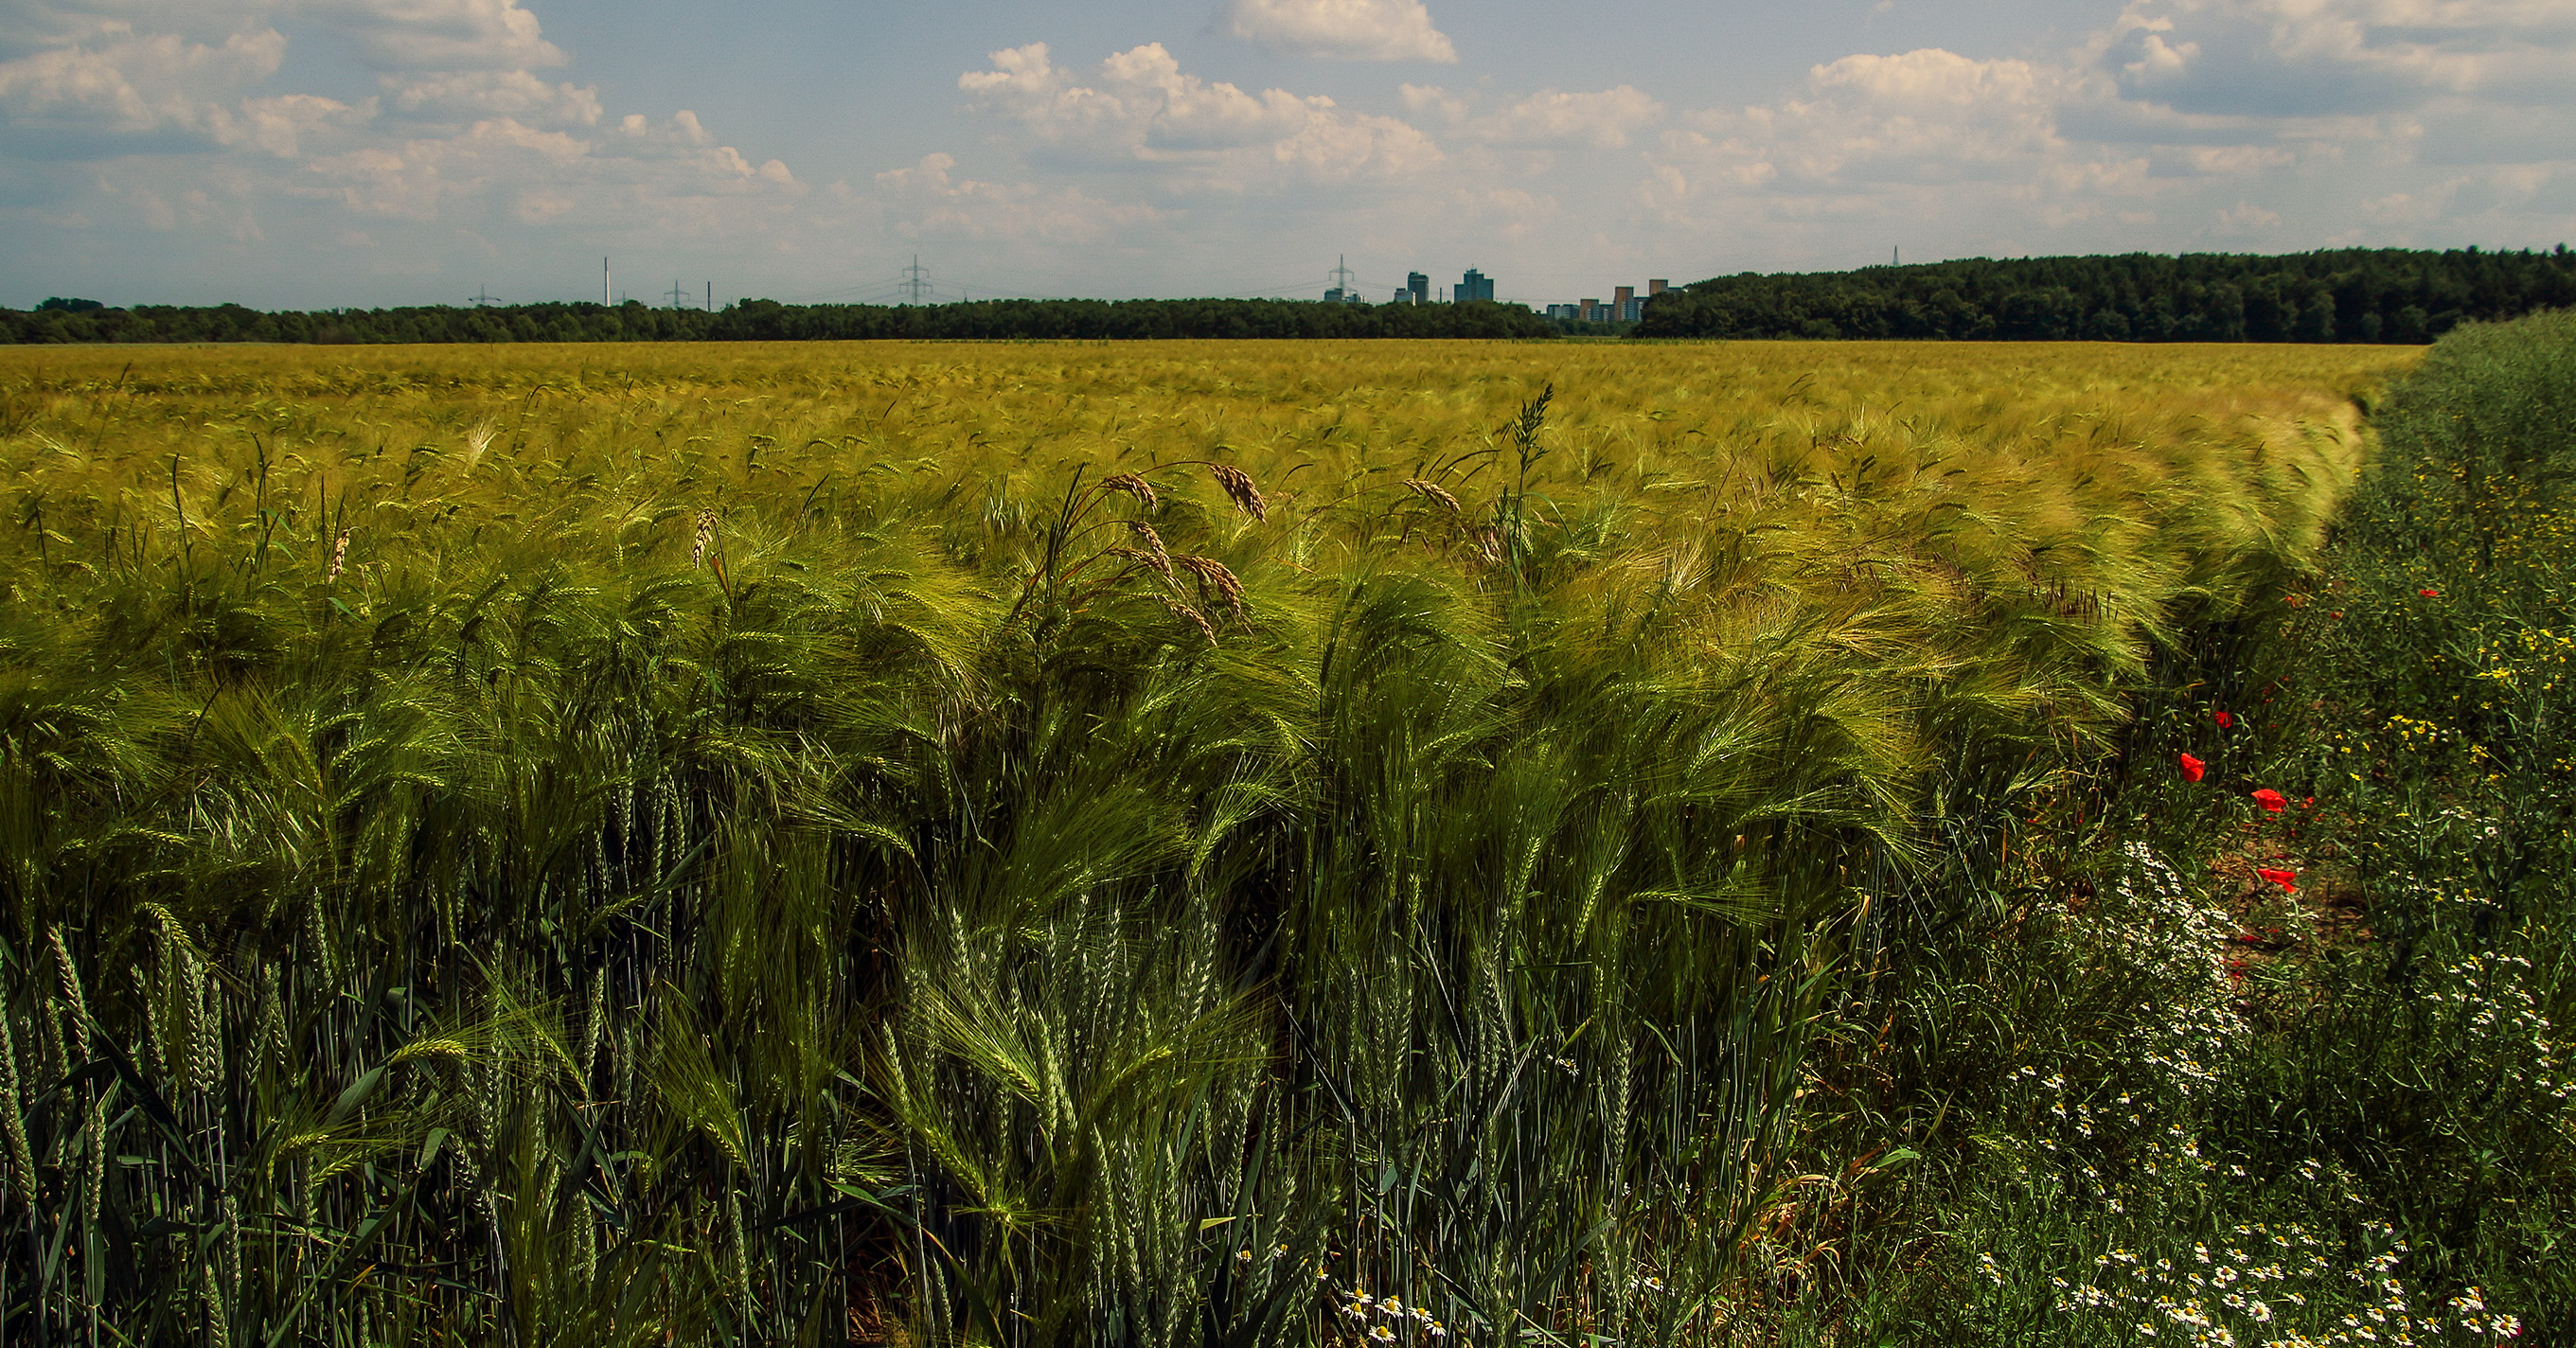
(1475,285)
(1420,285)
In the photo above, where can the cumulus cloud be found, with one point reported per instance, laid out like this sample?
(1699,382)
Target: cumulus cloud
(435,34)
(1138,108)
(1600,120)
(2274,58)
(1346,30)
(1923,116)
(671,172)
(928,199)
(491,93)
(138,84)
(462,133)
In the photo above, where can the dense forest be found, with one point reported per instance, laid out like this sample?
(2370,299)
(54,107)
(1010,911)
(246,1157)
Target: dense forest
(2345,295)
(768,320)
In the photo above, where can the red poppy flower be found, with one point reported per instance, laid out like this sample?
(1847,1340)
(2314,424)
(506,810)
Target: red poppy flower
(2430,594)
(2285,879)
(2192,768)
(2225,721)
(2272,801)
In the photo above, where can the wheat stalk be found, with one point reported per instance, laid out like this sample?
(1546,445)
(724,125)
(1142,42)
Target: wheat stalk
(1134,486)
(1238,485)
(1153,543)
(1436,494)
(1191,616)
(1159,565)
(22,1160)
(1214,579)
(706,535)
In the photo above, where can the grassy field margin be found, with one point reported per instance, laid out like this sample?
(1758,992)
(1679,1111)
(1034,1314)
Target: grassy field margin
(1199,843)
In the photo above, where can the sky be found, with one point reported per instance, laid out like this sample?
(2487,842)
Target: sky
(357,153)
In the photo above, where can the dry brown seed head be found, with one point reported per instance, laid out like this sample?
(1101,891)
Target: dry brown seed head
(1436,494)
(1238,486)
(1153,543)
(1134,486)
(1194,617)
(1158,563)
(1213,579)
(339,554)
(706,535)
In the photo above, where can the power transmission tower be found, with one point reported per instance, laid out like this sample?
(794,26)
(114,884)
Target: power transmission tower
(677,294)
(915,279)
(482,296)
(1342,273)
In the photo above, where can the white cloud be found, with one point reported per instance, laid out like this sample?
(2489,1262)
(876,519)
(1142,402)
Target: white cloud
(927,200)
(133,85)
(2244,218)
(463,137)
(671,173)
(1138,108)
(2271,58)
(1602,120)
(435,34)
(1923,116)
(491,93)
(1348,30)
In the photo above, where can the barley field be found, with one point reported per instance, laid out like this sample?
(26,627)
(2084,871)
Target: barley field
(1439,842)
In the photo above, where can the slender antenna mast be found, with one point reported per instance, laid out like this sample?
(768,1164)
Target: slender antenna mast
(603,284)
(915,279)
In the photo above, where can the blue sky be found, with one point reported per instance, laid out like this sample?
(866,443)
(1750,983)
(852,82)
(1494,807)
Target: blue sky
(314,153)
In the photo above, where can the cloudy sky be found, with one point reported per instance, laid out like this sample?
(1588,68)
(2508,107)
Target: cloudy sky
(313,153)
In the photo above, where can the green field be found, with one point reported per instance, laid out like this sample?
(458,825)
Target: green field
(1423,842)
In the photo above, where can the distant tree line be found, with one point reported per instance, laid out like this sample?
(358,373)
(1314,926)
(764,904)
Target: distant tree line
(61,320)
(2344,295)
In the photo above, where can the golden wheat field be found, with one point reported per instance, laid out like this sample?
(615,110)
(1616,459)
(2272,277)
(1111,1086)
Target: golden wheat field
(1049,843)
(1666,437)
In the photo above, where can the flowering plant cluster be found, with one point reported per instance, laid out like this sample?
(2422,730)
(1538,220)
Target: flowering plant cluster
(2118,1142)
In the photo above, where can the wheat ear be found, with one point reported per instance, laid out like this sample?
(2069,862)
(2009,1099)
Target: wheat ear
(1238,486)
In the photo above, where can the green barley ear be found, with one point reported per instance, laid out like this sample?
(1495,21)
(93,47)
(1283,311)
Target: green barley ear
(94,1173)
(22,1161)
(205,1024)
(210,1294)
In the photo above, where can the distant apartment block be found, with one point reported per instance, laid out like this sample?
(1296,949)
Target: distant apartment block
(1625,305)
